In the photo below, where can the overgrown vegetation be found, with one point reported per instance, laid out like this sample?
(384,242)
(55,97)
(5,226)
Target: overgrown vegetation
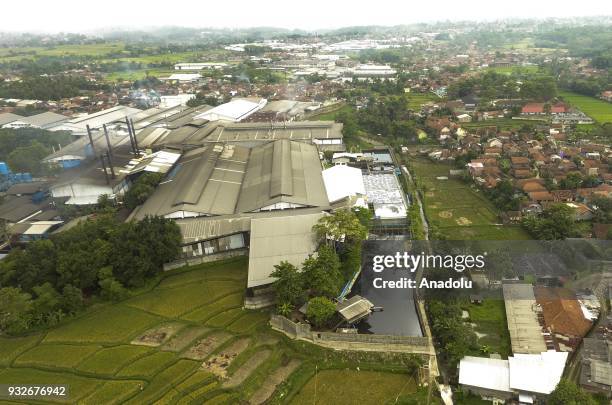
(50,279)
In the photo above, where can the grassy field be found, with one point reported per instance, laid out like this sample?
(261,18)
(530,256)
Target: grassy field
(491,325)
(599,110)
(416,100)
(458,210)
(514,69)
(342,387)
(106,355)
(502,123)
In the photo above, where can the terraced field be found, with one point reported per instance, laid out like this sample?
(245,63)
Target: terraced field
(459,211)
(186,340)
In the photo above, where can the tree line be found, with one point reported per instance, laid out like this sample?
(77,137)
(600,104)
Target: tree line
(97,259)
(46,87)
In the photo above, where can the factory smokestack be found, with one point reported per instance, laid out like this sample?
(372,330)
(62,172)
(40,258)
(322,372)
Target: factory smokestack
(110,150)
(127,122)
(134,135)
(104,168)
(110,165)
(93,148)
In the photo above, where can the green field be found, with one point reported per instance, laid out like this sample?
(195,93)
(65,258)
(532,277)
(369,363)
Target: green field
(95,353)
(599,110)
(416,100)
(342,387)
(491,325)
(457,209)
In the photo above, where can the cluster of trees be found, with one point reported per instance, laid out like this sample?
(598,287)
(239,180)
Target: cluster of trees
(46,87)
(503,196)
(23,149)
(388,116)
(454,338)
(50,279)
(555,222)
(568,393)
(491,85)
(142,188)
(573,181)
(322,276)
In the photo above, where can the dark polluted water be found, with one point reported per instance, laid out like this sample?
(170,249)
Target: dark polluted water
(399,315)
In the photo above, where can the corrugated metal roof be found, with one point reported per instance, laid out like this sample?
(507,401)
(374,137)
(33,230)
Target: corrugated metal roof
(226,179)
(492,374)
(276,239)
(525,330)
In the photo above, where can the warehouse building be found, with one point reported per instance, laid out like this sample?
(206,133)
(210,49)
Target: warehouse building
(227,197)
(527,335)
(234,111)
(44,120)
(527,377)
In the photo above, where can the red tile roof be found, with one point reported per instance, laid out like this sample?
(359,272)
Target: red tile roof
(533,108)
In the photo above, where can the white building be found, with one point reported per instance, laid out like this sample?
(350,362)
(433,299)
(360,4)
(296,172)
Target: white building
(527,376)
(344,182)
(199,66)
(234,111)
(184,77)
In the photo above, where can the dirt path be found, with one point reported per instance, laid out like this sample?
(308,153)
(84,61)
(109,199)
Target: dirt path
(274,380)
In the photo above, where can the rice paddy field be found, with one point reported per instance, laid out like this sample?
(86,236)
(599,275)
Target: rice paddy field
(187,340)
(599,110)
(457,209)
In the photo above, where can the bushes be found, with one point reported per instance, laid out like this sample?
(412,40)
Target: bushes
(320,311)
(142,188)
(98,256)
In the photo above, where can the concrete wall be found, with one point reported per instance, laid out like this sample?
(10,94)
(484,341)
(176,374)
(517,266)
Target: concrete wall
(347,341)
(193,261)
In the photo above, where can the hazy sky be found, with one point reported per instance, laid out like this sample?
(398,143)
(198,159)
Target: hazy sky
(84,16)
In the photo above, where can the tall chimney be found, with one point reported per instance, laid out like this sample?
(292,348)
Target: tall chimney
(134,134)
(104,168)
(93,148)
(127,122)
(110,164)
(110,150)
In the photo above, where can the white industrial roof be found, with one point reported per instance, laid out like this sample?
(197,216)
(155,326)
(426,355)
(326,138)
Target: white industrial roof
(523,373)
(343,181)
(493,374)
(235,110)
(538,373)
(40,227)
(184,76)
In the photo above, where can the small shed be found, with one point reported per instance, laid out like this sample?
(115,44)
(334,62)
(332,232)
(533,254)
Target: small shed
(354,309)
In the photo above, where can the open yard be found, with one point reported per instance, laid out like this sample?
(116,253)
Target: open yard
(161,346)
(599,110)
(489,323)
(456,208)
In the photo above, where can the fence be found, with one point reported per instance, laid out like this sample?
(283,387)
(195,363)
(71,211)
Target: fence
(350,340)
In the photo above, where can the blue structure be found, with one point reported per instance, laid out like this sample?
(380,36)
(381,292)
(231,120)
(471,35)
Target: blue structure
(8,178)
